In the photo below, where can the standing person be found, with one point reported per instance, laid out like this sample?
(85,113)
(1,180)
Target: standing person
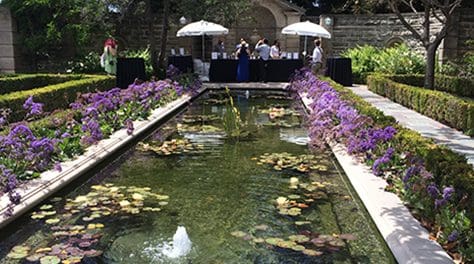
(264,51)
(219,48)
(317,59)
(243,66)
(108,60)
(275,50)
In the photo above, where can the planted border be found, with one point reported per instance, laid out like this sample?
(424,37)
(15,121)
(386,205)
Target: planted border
(436,183)
(9,84)
(453,111)
(57,96)
(450,84)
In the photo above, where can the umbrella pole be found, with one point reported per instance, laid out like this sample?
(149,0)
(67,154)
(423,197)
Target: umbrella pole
(305,40)
(203,48)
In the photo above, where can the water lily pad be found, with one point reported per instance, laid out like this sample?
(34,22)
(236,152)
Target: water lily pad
(273,240)
(238,234)
(37,216)
(258,240)
(35,257)
(337,243)
(311,252)
(50,260)
(298,248)
(261,227)
(72,260)
(124,203)
(52,221)
(48,213)
(137,196)
(294,211)
(299,223)
(46,207)
(286,244)
(163,203)
(294,196)
(299,238)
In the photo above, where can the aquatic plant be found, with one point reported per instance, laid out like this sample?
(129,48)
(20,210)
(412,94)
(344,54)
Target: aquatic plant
(234,126)
(74,231)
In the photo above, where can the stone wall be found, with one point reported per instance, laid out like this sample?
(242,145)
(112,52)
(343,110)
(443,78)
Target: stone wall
(383,30)
(7,41)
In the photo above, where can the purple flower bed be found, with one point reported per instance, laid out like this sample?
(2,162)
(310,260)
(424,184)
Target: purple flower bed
(333,119)
(25,152)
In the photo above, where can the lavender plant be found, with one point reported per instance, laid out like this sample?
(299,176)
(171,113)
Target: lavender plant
(334,119)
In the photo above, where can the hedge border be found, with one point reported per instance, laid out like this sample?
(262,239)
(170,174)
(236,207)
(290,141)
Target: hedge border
(450,84)
(24,82)
(57,96)
(446,108)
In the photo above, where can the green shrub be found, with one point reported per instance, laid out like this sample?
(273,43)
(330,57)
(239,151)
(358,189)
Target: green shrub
(364,60)
(55,96)
(454,111)
(400,60)
(450,84)
(89,63)
(144,54)
(23,82)
(395,60)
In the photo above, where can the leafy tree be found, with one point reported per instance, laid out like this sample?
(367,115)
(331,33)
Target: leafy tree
(48,26)
(442,11)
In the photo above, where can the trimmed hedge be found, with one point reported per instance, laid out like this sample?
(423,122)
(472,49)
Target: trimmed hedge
(55,96)
(453,85)
(453,111)
(25,82)
(448,168)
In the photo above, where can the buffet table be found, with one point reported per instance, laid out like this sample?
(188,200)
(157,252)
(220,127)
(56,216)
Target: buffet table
(225,70)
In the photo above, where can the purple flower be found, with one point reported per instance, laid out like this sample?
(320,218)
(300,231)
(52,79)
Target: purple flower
(432,190)
(453,236)
(129,125)
(448,193)
(57,166)
(34,109)
(381,161)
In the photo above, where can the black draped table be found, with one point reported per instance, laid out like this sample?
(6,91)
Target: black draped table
(129,69)
(225,70)
(183,63)
(340,70)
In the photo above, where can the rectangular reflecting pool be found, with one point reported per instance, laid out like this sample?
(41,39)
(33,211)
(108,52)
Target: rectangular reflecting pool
(189,193)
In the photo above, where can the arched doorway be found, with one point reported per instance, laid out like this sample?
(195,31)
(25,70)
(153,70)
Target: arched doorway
(258,23)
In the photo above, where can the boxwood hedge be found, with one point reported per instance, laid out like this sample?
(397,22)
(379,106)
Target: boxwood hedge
(25,82)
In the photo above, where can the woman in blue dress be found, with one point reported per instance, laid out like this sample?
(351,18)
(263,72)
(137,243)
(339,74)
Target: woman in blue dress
(243,66)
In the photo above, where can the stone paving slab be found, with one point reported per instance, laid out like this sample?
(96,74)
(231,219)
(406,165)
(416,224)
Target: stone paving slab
(427,127)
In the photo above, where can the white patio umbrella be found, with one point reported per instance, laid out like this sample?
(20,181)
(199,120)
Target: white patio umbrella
(202,28)
(306,29)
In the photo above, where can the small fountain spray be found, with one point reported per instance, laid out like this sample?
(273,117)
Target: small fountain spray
(179,247)
(181,244)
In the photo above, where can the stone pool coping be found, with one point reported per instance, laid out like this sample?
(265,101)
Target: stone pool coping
(404,235)
(35,191)
(406,238)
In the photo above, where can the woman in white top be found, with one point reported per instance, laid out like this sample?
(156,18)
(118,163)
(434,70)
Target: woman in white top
(275,50)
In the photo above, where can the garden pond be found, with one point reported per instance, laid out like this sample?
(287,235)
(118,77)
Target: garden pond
(189,194)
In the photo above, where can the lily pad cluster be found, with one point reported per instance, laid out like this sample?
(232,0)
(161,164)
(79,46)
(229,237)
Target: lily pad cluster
(190,119)
(279,112)
(215,101)
(174,146)
(302,163)
(306,242)
(199,128)
(77,229)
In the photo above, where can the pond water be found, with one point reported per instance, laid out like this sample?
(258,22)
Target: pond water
(204,198)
